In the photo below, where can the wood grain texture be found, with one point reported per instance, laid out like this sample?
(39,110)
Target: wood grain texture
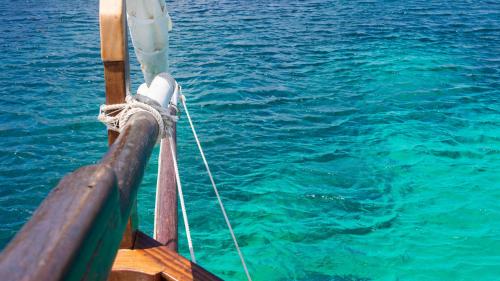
(73,232)
(166,216)
(114,54)
(153,261)
(113,30)
(116,79)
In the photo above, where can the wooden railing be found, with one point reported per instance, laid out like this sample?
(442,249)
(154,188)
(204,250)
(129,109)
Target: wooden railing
(78,230)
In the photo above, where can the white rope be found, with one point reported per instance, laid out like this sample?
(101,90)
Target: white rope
(181,199)
(183,100)
(115,116)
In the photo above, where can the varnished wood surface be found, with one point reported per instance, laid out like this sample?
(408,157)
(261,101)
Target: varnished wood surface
(116,83)
(71,230)
(113,30)
(151,261)
(75,233)
(114,54)
(166,216)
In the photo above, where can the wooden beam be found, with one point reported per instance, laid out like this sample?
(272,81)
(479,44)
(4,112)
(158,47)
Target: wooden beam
(166,215)
(76,222)
(151,261)
(75,233)
(113,30)
(114,54)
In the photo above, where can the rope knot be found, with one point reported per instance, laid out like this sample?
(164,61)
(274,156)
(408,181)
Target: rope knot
(115,116)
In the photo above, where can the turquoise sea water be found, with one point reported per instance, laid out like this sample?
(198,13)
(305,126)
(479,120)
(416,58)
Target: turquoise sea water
(351,140)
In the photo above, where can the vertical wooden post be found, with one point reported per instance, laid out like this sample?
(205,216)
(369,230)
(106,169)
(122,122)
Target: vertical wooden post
(114,54)
(166,218)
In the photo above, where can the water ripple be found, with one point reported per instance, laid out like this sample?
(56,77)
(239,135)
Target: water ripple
(351,140)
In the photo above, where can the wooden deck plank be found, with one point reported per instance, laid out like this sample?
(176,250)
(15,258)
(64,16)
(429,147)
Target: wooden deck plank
(151,261)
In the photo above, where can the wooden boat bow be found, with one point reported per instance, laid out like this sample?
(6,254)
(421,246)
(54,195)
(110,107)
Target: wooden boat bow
(78,230)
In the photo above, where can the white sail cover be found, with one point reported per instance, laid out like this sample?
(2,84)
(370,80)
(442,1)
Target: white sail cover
(149,24)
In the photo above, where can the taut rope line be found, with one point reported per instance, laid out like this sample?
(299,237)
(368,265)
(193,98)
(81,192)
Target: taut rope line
(183,100)
(181,199)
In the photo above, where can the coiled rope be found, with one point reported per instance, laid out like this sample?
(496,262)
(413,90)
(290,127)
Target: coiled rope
(183,100)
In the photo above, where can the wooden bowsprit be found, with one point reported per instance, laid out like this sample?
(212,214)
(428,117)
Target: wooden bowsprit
(75,234)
